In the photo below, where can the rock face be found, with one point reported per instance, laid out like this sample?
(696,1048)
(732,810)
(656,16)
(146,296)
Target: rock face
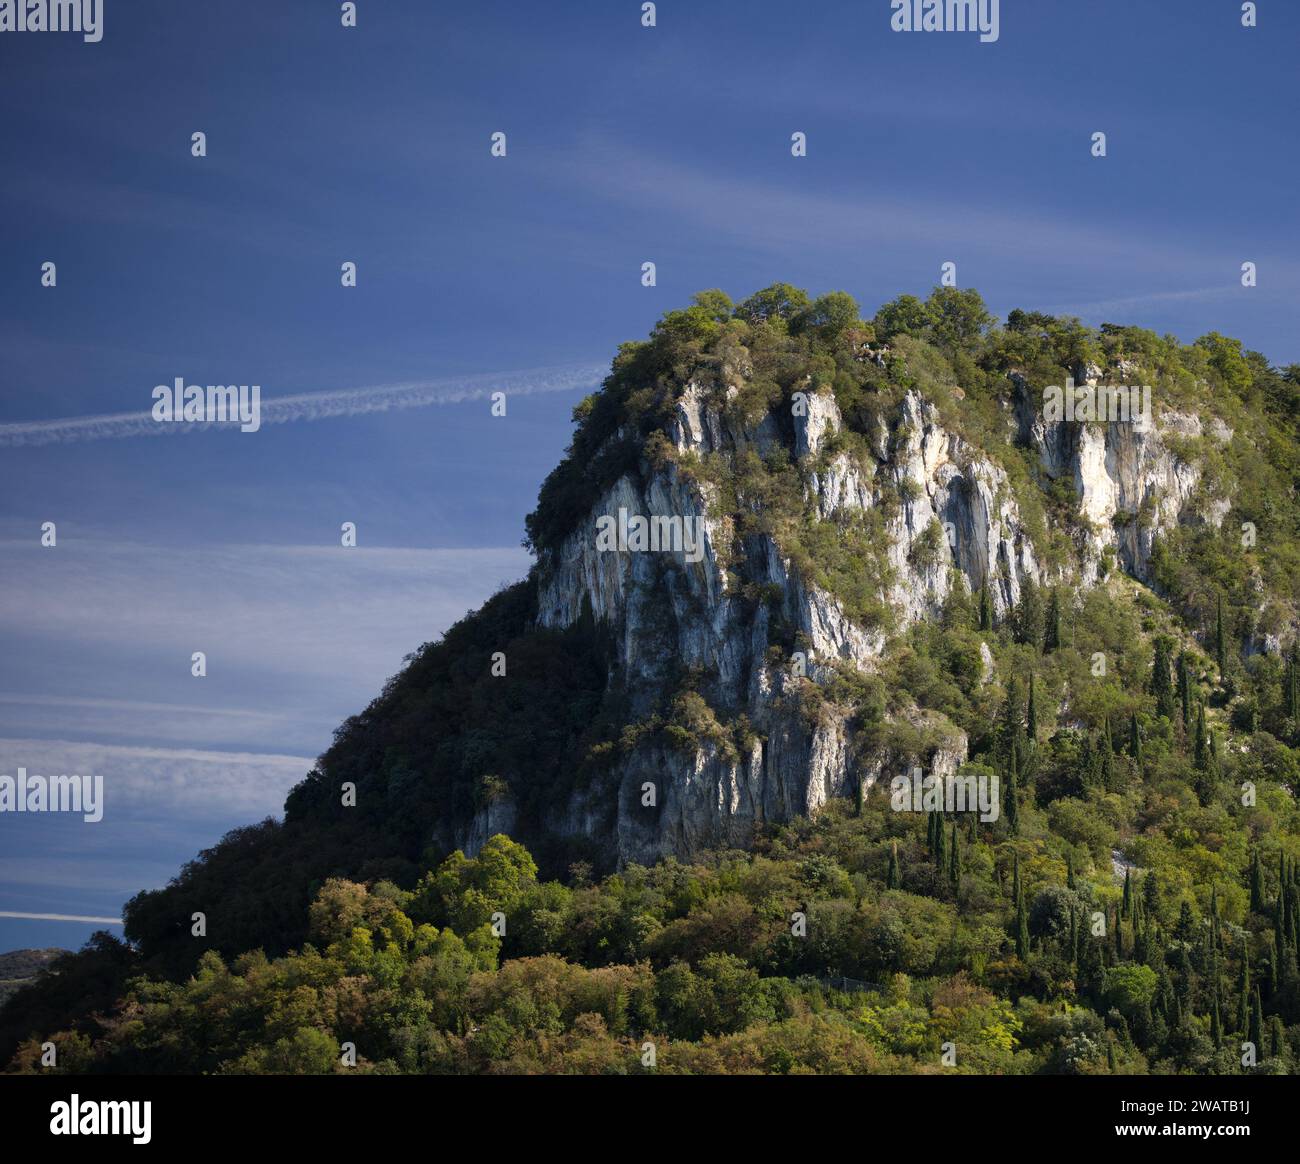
(1132,485)
(777,746)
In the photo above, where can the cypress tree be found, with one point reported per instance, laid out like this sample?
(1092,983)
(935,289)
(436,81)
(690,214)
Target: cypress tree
(1031,716)
(1134,741)
(1012,798)
(1216,1027)
(1276,1037)
(1257,1023)
(1069,870)
(1127,906)
(1161,686)
(893,880)
(985,607)
(1280,911)
(940,845)
(1029,615)
(1107,758)
(1012,726)
(954,861)
(1052,630)
(1243,987)
(1293,682)
(1256,884)
(1184,690)
(1220,640)
(1022,931)
(1151,895)
(1201,750)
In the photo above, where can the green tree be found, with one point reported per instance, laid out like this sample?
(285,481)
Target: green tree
(1220,640)
(779,301)
(1052,624)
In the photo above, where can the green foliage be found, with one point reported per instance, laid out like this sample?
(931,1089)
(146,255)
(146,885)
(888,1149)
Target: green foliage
(363,925)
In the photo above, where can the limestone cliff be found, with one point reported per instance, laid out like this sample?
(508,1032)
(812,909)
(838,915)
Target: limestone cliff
(950,518)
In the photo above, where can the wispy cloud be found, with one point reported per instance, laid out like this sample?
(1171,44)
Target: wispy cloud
(162,782)
(57,917)
(313,405)
(789,217)
(1148,299)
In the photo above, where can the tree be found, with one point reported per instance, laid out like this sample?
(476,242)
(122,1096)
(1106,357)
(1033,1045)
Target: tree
(985,608)
(830,314)
(955,318)
(779,301)
(1022,919)
(1161,687)
(1052,625)
(1292,689)
(1256,1035)
(1012,726)
(1220,640)
(1134,741)
(714,303)
(1184,690)
(1243,988)
(893,878)
(904,315)
(1106,750)
(1256,883)
(1012,794)
(1029,615)
(1200,749)
(1031,714)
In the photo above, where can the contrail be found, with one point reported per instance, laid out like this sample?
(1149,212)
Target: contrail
(112,921)
(313,405)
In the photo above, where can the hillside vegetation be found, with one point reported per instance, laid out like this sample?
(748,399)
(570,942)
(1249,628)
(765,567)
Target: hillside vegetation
(1134,908)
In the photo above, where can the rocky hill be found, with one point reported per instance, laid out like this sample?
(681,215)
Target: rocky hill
(790,556)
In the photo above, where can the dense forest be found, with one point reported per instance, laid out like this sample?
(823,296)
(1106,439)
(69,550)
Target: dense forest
(1134,908)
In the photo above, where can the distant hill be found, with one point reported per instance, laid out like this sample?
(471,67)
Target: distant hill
(17,967)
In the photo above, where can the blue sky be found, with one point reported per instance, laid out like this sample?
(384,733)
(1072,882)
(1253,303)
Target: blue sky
(625,145)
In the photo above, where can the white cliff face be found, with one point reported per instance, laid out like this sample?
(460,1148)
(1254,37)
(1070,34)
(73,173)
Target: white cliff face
(667,613)
(1132,485)
(952,498)
(951,519)
(499,816)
